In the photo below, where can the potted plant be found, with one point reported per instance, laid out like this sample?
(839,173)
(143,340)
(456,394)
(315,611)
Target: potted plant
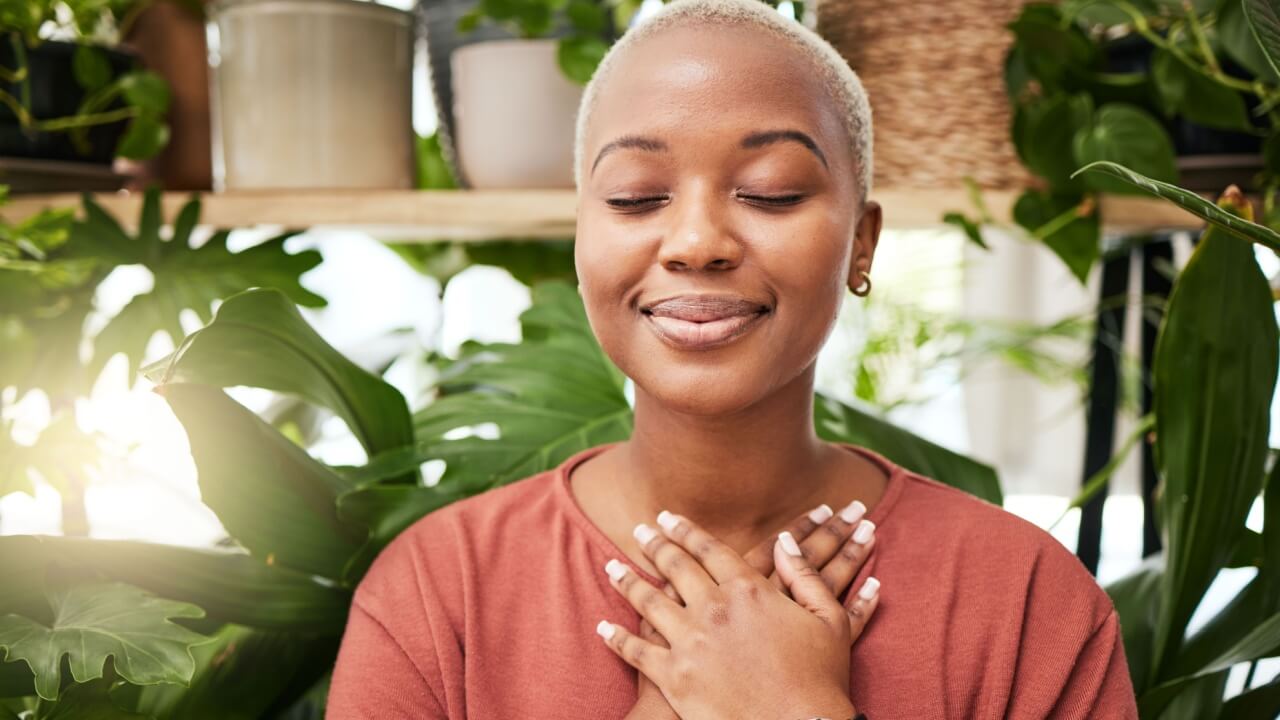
(69,92)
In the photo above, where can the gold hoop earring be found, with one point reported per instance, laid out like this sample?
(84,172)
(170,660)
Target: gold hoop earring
(860,291)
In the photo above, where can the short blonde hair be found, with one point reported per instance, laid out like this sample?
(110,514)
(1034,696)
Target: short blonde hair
(840,81)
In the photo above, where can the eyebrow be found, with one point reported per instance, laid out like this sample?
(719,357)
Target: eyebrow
(752,140)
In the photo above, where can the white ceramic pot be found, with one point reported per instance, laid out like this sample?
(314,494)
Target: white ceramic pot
(514,110)
(310,94)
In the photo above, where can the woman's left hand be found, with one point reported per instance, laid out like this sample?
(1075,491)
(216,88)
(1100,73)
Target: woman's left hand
(739,647)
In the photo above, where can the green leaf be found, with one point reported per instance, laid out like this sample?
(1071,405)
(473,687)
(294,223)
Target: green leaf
(1043,132)
(90,66)
(147,91)
(1219,337)
(1271,538)
(144,139)
(1211,213)
(92,622)
(1056,220)
(1200,99)
(1127,135)
(230,585)
(970,228)
(579,56)
(1263,17)
(83,701)
(242,673)
(185,277)
(259,339)
(1137,601)
(838,422)
(1238,41)
(1263,642)
(1260,703)
(269,494)
(587,17)
(1056,52)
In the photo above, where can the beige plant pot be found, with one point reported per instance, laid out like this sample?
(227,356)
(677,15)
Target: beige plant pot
(515,110)
(310,94)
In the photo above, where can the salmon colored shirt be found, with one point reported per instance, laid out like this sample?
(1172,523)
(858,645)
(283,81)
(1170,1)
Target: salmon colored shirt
(486,609)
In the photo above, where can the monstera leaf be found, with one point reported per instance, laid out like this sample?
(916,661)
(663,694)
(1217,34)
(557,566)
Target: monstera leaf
(93,622)
(186,277)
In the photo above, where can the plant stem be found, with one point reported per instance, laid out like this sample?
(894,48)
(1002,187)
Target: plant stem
(73,121)
(1197,31)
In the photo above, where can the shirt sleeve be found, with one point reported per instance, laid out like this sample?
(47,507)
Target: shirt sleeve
(1099,685)
(375,678)
(401,654)
(1070,662)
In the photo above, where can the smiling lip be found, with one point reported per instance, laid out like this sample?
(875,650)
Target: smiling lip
(702,322)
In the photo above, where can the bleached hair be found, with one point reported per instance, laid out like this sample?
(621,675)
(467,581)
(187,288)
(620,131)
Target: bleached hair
(840,81)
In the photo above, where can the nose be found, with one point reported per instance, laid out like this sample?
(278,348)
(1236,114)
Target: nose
(700,239)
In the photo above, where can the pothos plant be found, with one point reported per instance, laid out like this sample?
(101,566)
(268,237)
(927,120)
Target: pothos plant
(139,97)
(1206,68)
(592,26)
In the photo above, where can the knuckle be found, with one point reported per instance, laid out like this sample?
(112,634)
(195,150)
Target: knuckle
(851,552)
(834,530)
(634,653)
(702,548)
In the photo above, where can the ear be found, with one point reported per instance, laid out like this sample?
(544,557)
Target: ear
(866,238)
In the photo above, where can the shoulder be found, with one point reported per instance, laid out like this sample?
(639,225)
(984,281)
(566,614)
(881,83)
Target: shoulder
(433,557)
(992,547)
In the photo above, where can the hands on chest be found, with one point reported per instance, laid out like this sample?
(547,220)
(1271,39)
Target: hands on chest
(762,635)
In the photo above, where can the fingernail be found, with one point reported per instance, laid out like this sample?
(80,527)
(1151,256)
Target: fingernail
(668,521)
(853,512)
(789,545)
(865,530)
(644,533)
(605,629)
(615,569)
(821,513)
(869,588)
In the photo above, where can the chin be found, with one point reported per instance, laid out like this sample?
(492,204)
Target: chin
(703,391)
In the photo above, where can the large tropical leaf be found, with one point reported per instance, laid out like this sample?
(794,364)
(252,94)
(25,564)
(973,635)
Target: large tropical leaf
(838,422)
(92,622)
(1262,642)
(1214,374)
(185,277)
(259,339)
(229,585)
(1233,223)
(241,675)
(88,701)
(272,497)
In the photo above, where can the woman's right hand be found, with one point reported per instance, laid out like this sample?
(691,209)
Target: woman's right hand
(834,549)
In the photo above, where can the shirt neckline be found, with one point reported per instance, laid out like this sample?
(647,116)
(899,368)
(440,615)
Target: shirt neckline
(564,494)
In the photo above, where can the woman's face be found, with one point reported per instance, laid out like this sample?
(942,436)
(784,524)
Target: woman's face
(718,231)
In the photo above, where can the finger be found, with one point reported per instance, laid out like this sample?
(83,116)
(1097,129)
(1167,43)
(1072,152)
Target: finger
(638,653)
(717,559)
(863,607)
(690,579)
(650,602)
(760,557)
(826,541)
(805,583)
(840,570)
(647,631)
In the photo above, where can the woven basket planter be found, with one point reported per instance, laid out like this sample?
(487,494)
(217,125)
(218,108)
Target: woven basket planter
(934,75)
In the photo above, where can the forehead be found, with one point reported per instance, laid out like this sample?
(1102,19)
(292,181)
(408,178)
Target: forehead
(693,85)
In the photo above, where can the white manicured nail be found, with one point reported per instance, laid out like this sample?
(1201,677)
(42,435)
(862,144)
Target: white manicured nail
(644,533)
(853,512)
(865,530)
(668,521)
(605,629)
(789,545)
(615,569)
(869,588)
(821,513)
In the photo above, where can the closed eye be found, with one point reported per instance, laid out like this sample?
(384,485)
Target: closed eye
(775,200)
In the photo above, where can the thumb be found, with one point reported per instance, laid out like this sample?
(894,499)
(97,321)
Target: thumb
(804,582)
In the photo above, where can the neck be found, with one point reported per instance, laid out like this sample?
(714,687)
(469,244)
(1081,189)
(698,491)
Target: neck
(739,475)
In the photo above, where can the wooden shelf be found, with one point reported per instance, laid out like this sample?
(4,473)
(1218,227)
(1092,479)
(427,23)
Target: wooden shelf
(478,215)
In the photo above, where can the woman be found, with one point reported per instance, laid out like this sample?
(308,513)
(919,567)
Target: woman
(723,164)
